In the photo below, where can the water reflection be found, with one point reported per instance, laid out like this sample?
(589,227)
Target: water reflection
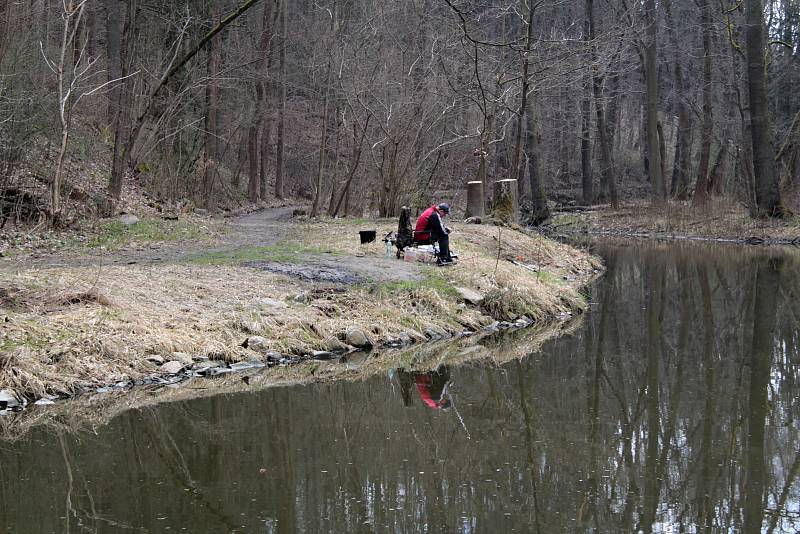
(673,409)
(432,387)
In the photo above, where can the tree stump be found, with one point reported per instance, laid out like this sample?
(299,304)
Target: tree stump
(475,200)
(505,205)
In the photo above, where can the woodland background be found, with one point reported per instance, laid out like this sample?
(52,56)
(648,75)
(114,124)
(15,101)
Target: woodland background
(362,106)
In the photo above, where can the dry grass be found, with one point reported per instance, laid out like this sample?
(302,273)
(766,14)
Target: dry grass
(94,410)
(71,329)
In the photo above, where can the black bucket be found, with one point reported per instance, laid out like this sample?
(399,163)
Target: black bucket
(367,236)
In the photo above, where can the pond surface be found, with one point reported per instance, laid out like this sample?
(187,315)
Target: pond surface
(673,409)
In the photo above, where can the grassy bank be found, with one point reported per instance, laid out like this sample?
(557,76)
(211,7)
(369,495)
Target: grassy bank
(69,329)
(720,219)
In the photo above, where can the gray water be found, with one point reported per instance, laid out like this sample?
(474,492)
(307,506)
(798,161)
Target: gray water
(674,408)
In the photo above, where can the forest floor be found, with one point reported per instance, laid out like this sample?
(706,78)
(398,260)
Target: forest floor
(170,300)
(720,220)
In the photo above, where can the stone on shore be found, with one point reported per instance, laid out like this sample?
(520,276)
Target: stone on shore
(470,296)
(172,368)
(358,338)
(256,343)
(8,400)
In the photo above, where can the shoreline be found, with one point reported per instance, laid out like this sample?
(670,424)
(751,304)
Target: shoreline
(720,221)
(312,295)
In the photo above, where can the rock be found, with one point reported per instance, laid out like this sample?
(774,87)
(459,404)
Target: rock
(172,368)
(184,358)
(273,356)
(199,358)
(156,359)
(272,303)
(201,367)
(472,220)
(243,366)
(470,295)
(128,219)
(43,402)
(358,338)
(434,332)
(322,355)
(214,371)
(256,343)
(8,399)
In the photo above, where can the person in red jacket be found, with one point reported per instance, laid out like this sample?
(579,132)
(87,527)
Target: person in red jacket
(431,229)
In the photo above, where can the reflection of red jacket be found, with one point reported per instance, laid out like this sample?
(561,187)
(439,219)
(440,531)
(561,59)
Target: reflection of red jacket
(428,221)
(424,386)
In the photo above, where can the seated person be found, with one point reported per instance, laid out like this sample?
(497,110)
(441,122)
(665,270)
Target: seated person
(431,229)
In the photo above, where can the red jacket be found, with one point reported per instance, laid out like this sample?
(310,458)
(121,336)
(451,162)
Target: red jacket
(427,222)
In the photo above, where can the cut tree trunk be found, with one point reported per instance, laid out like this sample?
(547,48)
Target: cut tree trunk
(505,203)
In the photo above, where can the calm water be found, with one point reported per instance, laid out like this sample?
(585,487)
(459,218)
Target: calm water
(674,409)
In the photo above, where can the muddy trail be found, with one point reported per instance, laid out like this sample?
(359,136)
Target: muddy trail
(263,228)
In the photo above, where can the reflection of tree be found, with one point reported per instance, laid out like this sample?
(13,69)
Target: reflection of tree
(767,281)
(705,488)
(663,413)
(655,317)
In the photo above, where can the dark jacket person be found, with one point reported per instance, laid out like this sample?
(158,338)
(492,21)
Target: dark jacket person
(430,229)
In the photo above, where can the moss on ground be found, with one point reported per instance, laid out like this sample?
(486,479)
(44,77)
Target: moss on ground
(282,252)
(114,234)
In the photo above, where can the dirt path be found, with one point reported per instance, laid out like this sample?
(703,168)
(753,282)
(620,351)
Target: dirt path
(263,228)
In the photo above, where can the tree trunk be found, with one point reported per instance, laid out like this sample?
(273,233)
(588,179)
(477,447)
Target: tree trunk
(701,186)
(114,52)
(767,195)
(659,192)
(517,169)
(607,181)
(716,180)
(315,205)
(475,199)
(212,104)
(281,141)
(505,203)
(683,148)
(344,196)
(72,18)
(586,125)
(253,161)
(539,210)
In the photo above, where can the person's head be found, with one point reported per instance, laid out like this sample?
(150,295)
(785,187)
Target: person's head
(443,208)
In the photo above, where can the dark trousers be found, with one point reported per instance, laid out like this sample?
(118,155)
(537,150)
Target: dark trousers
(444,244)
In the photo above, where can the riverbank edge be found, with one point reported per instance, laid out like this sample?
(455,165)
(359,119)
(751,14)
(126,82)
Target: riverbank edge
(721,220)
(558,272)
(91,409)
